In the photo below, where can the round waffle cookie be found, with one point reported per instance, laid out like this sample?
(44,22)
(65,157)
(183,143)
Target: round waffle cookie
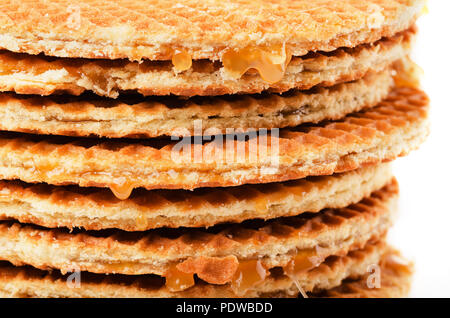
(25,74)
(338,276)
(155,30)
(393,128)
(97,209)
(153,117)
(217,256)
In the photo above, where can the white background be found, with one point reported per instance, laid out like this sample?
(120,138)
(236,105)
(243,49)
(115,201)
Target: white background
(422,231)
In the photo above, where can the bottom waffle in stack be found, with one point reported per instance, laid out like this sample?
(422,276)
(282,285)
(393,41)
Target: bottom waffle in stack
(328,250)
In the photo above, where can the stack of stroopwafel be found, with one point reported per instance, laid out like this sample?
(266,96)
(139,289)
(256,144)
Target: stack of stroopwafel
(204,148)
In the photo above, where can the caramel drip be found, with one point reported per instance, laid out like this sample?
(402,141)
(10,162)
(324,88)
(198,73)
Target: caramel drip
(271,63)
(302,262)
(122,191)
(177,280)
(181,60)
(248,274)
(409,76)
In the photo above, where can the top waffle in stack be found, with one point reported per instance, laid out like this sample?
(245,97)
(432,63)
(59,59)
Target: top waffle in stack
(101,94)
(211,44)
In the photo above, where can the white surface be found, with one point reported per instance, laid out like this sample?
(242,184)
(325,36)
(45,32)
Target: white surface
(422,231)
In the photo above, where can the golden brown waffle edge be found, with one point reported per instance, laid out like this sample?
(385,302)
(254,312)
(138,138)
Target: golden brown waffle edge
(393,128)
(26,74)
(127,29)
(97,209)
(395,281)
(216,255)
(137,117)
(29,282)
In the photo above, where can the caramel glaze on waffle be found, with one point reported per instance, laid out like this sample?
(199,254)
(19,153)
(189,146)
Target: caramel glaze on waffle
(97,208)
(205,29)
(25,74)
(393,128)
(30,282)
(216,255)
(136,117)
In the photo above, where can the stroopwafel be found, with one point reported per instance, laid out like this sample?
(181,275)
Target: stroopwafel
(26,74)
(215,255)
(393,128)
(153,117)
(205,30)
(30,282)
(97,209)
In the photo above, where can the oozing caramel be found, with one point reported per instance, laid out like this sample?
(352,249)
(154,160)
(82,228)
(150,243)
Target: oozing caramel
(177,280)
(181,60)
(409,76)
(123,190)
(270,62)
(248,274)
(302,262)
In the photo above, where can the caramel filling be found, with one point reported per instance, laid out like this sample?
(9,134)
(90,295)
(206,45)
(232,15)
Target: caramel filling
(302,262)
(409,76)
(118,267)
(248,274)
(270,63)
(181,60)
(177,280)
(123,190)
(10,65)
